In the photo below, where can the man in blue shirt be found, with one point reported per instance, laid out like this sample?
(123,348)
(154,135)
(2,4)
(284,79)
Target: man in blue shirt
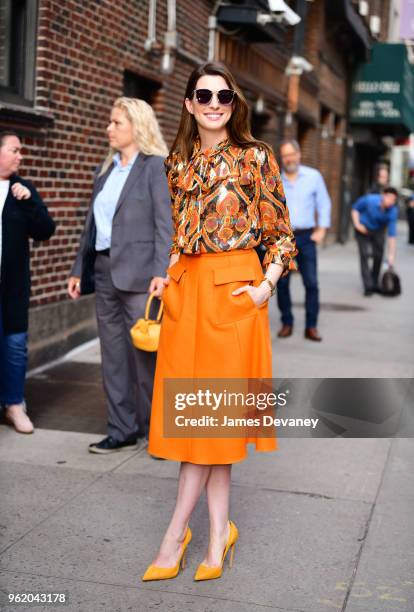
(371,215)
(310,215)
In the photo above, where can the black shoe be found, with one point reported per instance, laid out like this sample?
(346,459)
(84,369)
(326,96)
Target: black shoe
(368,292)
(110,445)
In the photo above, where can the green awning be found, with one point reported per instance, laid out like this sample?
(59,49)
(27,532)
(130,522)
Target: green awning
(383,90)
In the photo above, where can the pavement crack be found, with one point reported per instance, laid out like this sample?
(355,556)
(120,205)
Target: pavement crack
(363,538)
(309,494)
(139,587)
(305,493)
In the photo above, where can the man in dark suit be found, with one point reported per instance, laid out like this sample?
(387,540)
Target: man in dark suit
(23,215)
(123,255)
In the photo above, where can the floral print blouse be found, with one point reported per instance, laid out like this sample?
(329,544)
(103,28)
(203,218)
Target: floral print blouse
(229,197)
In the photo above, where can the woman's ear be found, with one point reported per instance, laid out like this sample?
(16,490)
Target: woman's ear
(189,106)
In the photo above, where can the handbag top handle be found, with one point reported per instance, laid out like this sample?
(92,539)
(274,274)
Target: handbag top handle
(148,306)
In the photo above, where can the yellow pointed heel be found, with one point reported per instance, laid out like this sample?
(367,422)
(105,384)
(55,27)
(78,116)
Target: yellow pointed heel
(205,572)
(154,572)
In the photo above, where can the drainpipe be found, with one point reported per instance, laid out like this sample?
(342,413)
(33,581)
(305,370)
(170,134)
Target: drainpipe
(212,32)
(297,64)
(212,25)
(171,46)
(170,40)
(152,17)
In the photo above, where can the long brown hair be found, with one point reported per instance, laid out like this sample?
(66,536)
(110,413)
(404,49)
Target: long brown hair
(238,126)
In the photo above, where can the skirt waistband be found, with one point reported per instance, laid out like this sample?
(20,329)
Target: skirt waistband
(233,252)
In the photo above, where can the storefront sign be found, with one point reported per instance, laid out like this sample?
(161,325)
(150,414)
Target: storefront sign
(382,91)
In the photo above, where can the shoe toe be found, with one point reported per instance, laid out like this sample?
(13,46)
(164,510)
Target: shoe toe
(159,573)
(20,421)
(150,573)
(24,426)
(205,572)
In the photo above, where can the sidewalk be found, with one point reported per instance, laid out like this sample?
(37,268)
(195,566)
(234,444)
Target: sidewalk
(325,524)
(362,336)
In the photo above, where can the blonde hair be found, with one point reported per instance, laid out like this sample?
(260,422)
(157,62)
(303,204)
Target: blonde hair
(147,132)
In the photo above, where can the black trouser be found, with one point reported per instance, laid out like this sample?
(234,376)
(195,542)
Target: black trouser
(371,245)
(410,219)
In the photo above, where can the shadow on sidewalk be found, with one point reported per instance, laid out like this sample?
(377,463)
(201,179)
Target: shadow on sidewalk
(68,397)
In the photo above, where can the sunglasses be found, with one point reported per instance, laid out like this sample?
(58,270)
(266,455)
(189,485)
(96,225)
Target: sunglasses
(224,96)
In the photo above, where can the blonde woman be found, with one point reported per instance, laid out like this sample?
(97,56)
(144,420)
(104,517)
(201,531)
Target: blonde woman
(122,256)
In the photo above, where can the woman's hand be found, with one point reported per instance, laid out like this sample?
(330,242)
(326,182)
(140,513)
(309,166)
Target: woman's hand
(157,285)
(74,287)
(20,192)
(259,294)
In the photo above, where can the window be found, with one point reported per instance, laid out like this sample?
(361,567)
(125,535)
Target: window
(136,86)
(18,23)
(306,134)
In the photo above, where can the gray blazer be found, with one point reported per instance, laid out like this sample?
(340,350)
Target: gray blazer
(141,229)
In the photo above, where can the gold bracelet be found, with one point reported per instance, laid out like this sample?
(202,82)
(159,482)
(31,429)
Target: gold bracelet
(271,285)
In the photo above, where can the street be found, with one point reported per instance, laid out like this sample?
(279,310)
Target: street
(325,524)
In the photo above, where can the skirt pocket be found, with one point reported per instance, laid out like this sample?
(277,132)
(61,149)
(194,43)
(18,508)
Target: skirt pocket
(173,293)
(229,308)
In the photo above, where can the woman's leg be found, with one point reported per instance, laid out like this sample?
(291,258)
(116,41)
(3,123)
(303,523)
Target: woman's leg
(218,498)
(142,363)
(118,384)
(191,482)
(14,363)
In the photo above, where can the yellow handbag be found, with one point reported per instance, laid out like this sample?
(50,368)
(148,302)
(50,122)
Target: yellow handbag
(146,332)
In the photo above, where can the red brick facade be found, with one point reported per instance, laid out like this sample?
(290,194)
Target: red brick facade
(84,49)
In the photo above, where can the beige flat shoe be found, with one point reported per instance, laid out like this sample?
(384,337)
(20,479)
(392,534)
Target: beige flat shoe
(16,416)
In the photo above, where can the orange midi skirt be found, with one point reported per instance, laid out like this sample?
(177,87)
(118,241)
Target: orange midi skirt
(207,332)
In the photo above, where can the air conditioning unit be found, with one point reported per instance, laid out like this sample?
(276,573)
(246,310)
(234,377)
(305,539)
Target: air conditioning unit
(363,8)
(375,25)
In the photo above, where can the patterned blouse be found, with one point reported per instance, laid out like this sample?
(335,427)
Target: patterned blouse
(228,198)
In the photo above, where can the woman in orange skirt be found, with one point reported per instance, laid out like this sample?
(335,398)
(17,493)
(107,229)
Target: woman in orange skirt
(227,197)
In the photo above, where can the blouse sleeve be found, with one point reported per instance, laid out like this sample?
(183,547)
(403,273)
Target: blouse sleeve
(277,234)
(172,176)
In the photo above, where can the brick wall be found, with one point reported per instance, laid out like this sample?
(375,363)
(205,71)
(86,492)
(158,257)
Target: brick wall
(319,126)
(314,33)
(3,34)
(384,13)
(84,46)
(83,49)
